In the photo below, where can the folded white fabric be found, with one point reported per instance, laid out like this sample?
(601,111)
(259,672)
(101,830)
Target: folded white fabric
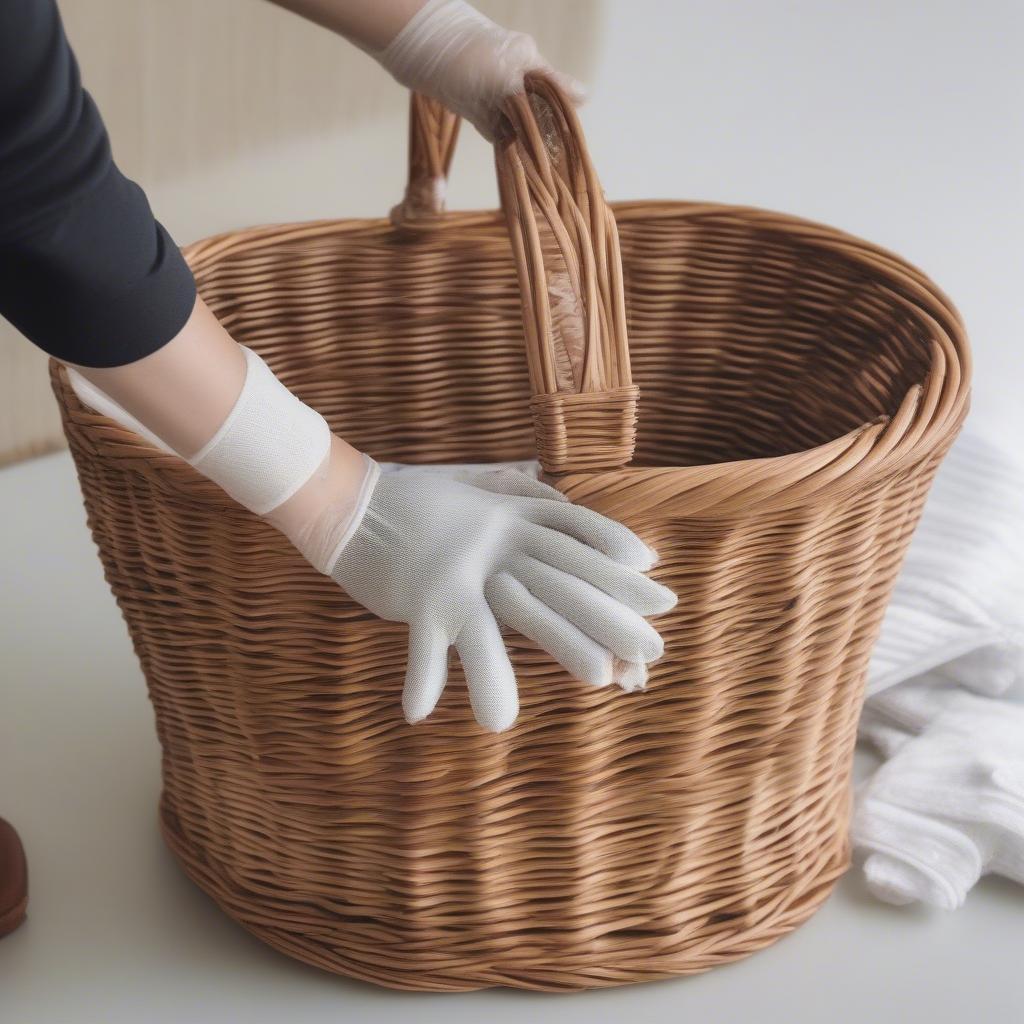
(961,589)
(948,805)
(945,688)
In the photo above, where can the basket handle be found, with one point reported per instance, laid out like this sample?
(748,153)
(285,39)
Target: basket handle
(566,249)
(433,132)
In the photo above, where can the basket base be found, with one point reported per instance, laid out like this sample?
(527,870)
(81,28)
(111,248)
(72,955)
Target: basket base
(434,972)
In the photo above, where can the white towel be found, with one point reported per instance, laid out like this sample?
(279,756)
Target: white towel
(948,805)
(961,590)
(946,693)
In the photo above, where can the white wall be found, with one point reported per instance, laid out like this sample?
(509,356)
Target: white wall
(899,121)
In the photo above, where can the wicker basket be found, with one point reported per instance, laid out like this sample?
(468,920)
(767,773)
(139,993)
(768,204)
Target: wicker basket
(798,388)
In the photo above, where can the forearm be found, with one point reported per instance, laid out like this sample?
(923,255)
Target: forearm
(185,393)
(445,49)
(370,24)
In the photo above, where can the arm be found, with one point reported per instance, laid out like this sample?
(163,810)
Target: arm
(370,24)
(442,48)
(94,280)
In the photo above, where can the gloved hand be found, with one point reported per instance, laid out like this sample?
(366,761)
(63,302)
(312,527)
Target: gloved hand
(458,558)
(451,52)
(629,676)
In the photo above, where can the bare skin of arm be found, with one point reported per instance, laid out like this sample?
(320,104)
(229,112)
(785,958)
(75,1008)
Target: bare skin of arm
(184,391)
(370,24)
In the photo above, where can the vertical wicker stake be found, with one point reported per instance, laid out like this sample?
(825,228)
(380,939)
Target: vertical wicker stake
(566,247)
(433,133)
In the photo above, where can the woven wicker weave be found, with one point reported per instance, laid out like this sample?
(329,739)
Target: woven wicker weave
(797,390)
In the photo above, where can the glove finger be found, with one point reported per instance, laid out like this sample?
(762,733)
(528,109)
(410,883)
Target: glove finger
(515,482)
(601,617)
(593,529)
(489,676)
(427,671)
(514,606)
(625,584)
(629,675)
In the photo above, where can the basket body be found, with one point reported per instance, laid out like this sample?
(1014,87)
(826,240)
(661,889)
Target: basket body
(799,389)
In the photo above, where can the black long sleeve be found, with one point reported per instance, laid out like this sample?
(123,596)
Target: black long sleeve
(85,271)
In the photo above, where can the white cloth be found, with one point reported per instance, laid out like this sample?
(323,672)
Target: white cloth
(946,693)
(270,444)
(961,588)
(948,804)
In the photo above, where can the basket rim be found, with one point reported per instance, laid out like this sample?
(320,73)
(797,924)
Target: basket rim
(204,251)
(927,420)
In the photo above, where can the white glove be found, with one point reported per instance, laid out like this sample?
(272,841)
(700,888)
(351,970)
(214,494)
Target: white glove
(627,675)
(450,51)
(456,559)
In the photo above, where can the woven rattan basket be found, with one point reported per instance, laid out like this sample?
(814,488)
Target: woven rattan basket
(792,392)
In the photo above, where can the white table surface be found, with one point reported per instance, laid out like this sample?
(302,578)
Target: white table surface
(117,933)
